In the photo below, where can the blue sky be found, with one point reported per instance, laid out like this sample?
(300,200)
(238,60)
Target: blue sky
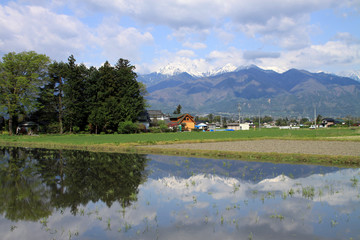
(195,35)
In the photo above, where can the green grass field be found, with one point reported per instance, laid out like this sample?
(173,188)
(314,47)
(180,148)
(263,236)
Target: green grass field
(153,138)
(131,143)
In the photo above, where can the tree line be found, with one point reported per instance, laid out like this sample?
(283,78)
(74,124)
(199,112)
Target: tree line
(66,96)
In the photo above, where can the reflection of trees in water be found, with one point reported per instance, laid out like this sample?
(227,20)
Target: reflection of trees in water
(77,177)
(74,177)
(22,194)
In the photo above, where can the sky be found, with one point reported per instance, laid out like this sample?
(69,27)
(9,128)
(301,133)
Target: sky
(200,35)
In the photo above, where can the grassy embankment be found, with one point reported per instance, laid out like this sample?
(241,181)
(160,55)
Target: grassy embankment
(133,143)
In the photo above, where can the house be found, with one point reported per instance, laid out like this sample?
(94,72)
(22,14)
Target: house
(156,115)
(28,128)
(237,126)
(233,126)
(244,126)
(327,122)
(185,120)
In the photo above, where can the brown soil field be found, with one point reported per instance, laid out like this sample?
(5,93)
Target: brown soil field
(334,148)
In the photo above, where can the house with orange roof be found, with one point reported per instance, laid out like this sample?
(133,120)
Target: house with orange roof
(185,120)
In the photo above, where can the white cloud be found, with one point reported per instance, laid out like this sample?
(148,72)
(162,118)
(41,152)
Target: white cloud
(25,28)
(60,28)
(194,45)
(322,57)
(116,41)
(253,17)
(332,54)
(185,53)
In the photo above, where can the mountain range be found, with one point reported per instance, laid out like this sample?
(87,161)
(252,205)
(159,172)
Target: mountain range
(294,93)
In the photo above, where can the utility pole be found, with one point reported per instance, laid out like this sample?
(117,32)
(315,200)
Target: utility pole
(239,108)
(315,116)
(259,117)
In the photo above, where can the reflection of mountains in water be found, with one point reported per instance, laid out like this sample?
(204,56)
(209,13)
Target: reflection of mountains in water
(184,167)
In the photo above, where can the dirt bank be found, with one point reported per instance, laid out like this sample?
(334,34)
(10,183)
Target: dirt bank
(333,148)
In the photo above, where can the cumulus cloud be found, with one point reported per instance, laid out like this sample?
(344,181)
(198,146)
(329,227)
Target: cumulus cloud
(332,54)
(31,27)
(194,45)
(185,53)
(25,28)
(117,41)
(252,17)
(215,31)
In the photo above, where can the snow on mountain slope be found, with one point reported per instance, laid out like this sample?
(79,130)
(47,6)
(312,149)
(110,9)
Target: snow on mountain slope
(194,70)
(351,74)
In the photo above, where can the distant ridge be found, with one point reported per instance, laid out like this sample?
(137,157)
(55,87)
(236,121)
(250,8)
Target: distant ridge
(291,93)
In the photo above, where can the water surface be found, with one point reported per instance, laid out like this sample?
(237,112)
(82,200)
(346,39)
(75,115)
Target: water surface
(52,194)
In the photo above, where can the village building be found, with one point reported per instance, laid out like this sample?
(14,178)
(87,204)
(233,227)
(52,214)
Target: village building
(184,121)
(233,126)
(327,122)
(156,115)
(237,126)
(212,126)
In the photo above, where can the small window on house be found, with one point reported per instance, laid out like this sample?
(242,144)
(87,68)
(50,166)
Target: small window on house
(187,119)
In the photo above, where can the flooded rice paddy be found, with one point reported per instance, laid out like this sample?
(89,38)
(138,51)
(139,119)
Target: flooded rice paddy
(58,194)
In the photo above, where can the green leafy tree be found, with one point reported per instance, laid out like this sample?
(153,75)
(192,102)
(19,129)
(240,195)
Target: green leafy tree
(282,121)
(266,119)
(211,117)
(21,76)
(319,118)
(304,121)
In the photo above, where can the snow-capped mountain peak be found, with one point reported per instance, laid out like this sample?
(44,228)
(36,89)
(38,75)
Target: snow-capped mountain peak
(351,74)
(172,69)
(227,68)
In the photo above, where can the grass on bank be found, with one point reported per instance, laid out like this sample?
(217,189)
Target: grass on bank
(352,134)
(132,143)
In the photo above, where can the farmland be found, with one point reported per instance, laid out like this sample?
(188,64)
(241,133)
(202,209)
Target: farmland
(344,134)
(149,143)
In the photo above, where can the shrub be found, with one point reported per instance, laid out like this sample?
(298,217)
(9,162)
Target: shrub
(141,127)
(52,128)
(76,129)
(164,127)
(155,130)
(127,127)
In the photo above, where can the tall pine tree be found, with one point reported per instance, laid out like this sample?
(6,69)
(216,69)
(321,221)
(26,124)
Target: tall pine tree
(51,98)
(75,107)
(118,97)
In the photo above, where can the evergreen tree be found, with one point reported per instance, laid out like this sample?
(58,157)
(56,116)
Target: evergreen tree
(132,101)
(118,97)
(51,98)
(75,113)
(178,110)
